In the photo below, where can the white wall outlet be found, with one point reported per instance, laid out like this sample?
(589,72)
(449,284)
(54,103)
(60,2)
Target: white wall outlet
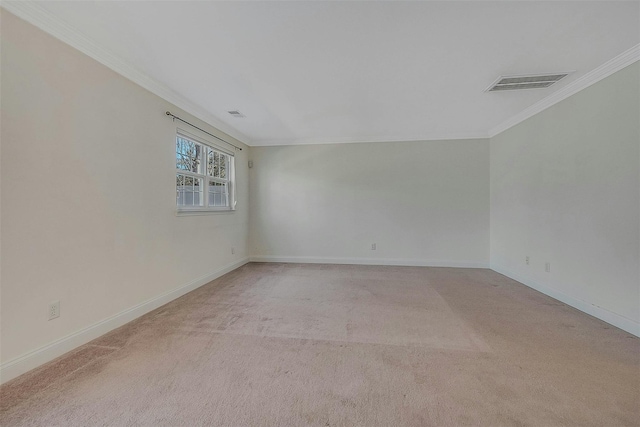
(233,251)
(373,246)
(54,310)
(547,267)
(526,259)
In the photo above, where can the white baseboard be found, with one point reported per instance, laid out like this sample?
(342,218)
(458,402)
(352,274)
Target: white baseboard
(370,261)
(37,357)
(605,315)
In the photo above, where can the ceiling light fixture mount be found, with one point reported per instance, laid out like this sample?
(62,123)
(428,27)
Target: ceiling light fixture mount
(529,81)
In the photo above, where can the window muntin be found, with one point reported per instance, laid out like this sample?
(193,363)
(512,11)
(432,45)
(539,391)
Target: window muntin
(204,176)
(189,190)
(188,155)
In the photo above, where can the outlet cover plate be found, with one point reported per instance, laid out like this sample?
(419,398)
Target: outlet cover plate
(54,310)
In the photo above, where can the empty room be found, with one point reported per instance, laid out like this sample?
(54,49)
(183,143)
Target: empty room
(320,213)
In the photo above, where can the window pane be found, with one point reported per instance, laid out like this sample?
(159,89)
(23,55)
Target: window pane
(210,162)
(223,165)
(217,164)
(188,155)
(218,194)
(189,191)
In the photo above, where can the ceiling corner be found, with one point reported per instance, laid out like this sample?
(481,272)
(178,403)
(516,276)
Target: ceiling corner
(617,63)
(41,18)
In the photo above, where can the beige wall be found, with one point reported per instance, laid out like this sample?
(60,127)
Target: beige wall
(88,195)
(422,203)
(88,216)
(565,189)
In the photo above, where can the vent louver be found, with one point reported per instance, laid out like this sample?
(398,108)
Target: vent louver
(235,113)
(534,81)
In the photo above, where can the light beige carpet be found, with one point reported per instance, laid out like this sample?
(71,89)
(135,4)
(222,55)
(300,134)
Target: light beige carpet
(326,345)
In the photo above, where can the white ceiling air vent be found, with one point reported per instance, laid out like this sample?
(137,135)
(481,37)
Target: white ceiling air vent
(236,113)
(533,81)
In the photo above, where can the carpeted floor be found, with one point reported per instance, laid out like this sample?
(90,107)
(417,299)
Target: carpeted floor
(329,345)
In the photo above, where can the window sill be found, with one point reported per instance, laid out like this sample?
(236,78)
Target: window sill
(192,212)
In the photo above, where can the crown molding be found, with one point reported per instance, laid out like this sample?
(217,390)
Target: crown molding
(362,140)
(47,22)
(626,58)
(41,18)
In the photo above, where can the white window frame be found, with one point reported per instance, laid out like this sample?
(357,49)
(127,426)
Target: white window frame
(230,180)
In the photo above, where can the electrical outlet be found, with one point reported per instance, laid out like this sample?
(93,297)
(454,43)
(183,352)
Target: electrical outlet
(373,246)
(526,259)
(54,310)
(233,251)
(547,267)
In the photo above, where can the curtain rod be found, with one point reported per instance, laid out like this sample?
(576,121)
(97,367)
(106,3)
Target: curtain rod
(192,125)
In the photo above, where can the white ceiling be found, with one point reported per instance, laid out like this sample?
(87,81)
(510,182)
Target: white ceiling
(313,72)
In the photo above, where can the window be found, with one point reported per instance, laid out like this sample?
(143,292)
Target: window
(204,176)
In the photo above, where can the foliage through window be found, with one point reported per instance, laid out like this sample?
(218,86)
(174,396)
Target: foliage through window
(204,176)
